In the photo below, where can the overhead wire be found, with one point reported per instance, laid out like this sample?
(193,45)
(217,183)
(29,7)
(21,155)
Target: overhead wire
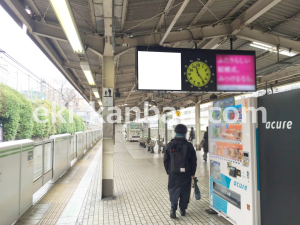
(29,72)
(153,28)
(210,11)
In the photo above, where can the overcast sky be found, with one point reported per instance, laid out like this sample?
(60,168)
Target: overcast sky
(15,42)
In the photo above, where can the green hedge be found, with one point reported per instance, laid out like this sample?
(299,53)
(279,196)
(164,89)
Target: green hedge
(9,112)
(60,126)
(17,114)
(26,122)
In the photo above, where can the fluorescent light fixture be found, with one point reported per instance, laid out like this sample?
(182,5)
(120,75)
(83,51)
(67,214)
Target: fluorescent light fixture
(64,14)
(96,93)
(287,53)
(87,72)
(261,47)
(100,103)
(264,45)
(27,10)
(272,49)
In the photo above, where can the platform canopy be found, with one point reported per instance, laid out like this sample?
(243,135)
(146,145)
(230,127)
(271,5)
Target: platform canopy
(107,27)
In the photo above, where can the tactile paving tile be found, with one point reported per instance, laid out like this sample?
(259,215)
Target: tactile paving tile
(59,195)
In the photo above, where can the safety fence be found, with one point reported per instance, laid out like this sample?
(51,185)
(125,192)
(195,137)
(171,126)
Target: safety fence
(25,166)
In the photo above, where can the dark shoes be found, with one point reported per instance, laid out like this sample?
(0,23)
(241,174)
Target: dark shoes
(182,212)
(173,213)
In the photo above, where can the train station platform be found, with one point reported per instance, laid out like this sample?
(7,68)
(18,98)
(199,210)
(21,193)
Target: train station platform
(141,195)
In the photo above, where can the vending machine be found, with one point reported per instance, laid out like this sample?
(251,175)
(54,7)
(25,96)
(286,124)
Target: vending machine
(233,164)
(146,129)
(134,131)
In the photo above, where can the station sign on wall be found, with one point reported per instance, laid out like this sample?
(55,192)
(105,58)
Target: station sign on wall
(279,154)
(195,70)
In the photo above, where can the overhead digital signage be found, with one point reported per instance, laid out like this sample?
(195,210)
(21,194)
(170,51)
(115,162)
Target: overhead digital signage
(195,70)
(235,72)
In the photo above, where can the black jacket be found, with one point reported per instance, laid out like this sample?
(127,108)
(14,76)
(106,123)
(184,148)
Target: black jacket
(205,146)
(180,183)
(192,135)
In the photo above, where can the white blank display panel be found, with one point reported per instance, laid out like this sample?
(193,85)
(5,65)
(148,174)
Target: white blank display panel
(159,70)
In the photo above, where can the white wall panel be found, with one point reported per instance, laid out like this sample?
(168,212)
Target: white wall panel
(9,181)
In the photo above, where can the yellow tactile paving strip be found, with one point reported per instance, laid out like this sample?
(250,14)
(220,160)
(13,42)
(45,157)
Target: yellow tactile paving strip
(60,194)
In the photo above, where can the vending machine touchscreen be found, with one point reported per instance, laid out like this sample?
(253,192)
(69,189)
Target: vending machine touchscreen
(233,177)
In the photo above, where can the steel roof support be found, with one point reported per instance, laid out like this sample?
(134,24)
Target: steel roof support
(240,5)
(124,13)
(17,8)
(178,14)
(164,15)
(201,12)
(35,10)
(269,39)
(92,11)
(251,14)
(77,67)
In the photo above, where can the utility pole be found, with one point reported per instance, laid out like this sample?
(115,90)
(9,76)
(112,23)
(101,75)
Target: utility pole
(17,79)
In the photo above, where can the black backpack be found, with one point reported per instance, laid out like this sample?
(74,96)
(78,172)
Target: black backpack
(179,157)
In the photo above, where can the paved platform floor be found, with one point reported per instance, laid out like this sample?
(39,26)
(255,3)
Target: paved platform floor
(141,195)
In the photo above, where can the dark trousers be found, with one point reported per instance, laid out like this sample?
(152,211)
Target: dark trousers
(182,205)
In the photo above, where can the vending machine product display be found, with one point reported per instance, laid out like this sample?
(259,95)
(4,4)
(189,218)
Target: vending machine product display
(146,129)
(134,131)
(233,165)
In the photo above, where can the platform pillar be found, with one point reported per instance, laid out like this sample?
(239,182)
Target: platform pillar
(108,81)
(197,126)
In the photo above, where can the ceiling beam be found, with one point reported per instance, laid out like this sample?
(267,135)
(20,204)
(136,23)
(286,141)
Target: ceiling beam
(251,14)
(19,11)
(270,39)
(95,52)
(124,13)
(124,52)
(201,12)
(92,12)
(214,43)
(197,17)
(65,58)
(49,31)
(175,36)
(164,15)
(35,10)
(77,67)
(285,21)
(56,32)
(108,28)
(237,8)
(178,14)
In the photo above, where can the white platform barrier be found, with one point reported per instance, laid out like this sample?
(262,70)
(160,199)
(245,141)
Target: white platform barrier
(61,155)
(80,143)
(26,166)
(16,176)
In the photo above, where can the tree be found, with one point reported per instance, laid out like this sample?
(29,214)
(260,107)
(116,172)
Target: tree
(67,94)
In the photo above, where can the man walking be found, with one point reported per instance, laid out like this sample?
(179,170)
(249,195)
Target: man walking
(192,136)
(205,146)
(180,163)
